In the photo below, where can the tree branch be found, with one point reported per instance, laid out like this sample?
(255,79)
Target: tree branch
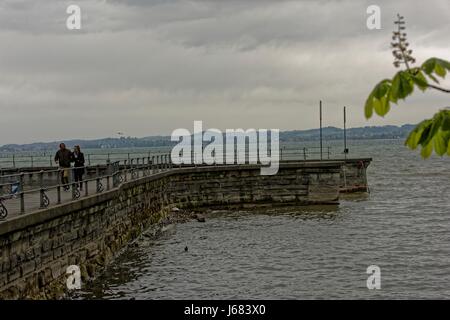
(438,88)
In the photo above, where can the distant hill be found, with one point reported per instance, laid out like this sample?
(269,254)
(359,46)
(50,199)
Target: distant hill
(328,133)
(333,133)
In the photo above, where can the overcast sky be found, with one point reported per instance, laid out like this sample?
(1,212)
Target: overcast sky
(148,67)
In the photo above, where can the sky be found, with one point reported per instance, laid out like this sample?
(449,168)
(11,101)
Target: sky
(148,67)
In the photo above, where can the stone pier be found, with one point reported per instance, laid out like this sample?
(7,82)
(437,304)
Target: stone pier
(36,248)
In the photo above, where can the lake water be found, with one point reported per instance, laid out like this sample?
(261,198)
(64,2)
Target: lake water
(402,226)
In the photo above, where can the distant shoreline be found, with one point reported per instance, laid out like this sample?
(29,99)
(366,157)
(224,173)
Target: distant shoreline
(329,134)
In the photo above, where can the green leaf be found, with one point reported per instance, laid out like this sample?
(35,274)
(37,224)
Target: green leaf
(448,149)
(440,143)
(378,99)
(378,107)
(425,132)
(416,135)
(440,70)
(436,66)
(406,85)
(381,89)
(432,134)
(420,80)
(443,63)
(386,105)
(402,86)
(446,120)
(395,88)
(434,129)
(428,66)
(368,108)
(411,140)
(426,151)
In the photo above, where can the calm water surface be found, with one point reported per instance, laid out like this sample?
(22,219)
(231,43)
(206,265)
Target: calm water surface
(403,226)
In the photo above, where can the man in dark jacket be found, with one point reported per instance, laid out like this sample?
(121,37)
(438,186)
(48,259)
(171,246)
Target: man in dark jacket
(63,157)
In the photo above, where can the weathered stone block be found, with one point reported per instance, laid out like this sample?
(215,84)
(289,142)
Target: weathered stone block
(27,267)
(14,274)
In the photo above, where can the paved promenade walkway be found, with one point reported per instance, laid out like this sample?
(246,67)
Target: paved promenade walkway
(32,200)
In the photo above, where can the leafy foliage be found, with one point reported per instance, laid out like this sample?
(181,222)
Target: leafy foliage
(432,133)
(402,85)
(429,134)
(436,66)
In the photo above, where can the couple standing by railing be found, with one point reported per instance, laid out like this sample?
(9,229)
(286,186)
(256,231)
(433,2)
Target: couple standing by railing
(64,157)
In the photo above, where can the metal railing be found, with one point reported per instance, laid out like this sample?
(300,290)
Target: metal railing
(46,159)
(30,191)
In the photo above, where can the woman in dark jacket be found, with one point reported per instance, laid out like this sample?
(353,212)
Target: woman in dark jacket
(78,159)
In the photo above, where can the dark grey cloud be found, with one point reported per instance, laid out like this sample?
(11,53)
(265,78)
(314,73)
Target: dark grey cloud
(148,67)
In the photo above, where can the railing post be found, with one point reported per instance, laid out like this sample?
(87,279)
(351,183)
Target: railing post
(32,162)
(114,176)
(41,191)
(97,180)
(125,165)
(328,152)
(137,168)
(41,179)
(74,190)
(22,194)
(89,159)
(304,153)
(144,167)
(98,185)
(153,164)
(51,161)
(108,173)
(41,199)
(14,161)
(58,188)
